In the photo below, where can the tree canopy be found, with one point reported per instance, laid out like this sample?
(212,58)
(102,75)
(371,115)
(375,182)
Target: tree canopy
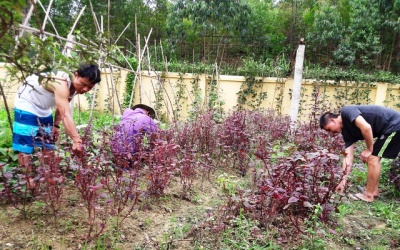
(353,34)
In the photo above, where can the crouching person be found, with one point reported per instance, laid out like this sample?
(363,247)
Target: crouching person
(129,136)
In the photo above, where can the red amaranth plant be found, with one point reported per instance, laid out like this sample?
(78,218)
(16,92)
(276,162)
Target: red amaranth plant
(88,166)
(51,182)
(123,192)
(160,167)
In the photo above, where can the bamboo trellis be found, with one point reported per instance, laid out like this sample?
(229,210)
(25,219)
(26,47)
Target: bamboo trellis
(142,54)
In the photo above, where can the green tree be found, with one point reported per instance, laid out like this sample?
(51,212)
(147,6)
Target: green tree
(361,46)
(390,35)
(266,28)
(211,21)
(326,33)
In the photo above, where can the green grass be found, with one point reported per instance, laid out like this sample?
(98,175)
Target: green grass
(99,119)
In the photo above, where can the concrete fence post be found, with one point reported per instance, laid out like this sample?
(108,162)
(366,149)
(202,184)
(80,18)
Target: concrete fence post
(298,76)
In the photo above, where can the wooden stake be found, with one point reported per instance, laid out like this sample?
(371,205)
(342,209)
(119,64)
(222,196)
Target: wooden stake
(94,16)
(69,36)
(115,89)
(122,33)
(140,55)
(47,13)
(26,20)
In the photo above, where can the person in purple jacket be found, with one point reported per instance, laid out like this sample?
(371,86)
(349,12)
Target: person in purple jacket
(136,122)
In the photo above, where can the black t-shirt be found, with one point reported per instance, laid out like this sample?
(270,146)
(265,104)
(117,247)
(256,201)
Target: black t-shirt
(382,120)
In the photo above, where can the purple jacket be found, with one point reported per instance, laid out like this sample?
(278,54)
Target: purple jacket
(133,125)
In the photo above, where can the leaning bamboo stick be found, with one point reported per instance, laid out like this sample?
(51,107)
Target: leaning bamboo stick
(108,16)
(139,69)
(119,67)
(101,24)
(159,80)
(26,20)
(110,105)
(47,14)
(115,89)
(6,106)
(44,22)
(99,61)
(94,16)
(73,27)
(169,82)
(138,72)
(30,29)
(122,33)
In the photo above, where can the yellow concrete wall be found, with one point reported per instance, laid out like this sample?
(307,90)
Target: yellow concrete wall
(9,87)
(178,103)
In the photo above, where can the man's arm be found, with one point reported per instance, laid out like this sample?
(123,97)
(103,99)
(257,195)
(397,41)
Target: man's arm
(57,118)
(346,166)
(366,131)
(63,112)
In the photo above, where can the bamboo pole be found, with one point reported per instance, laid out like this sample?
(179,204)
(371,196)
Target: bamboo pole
(30,29)
(6,106)
(108,17)
(158,79)
(138,55)
(101,24)
(94,16)
(149,68)
(69,36)
(122,33)
(28,16)
(99,61)
(138,72)
(110,105)
(47,15)
(169,83)
(119,67)
(139,69)
(133,45)
(115,89)
(155,49)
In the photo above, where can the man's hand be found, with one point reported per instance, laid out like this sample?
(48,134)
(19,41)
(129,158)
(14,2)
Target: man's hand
(340,187)
(77,147)
(365,154)
(56,133)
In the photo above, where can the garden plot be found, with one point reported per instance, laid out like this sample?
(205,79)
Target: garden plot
(245,183)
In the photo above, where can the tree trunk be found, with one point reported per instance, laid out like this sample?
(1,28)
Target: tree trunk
(6,106)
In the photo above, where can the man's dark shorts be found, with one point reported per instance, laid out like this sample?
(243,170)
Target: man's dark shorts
(387,146)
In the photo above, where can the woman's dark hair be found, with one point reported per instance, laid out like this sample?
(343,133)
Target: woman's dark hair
(90,71)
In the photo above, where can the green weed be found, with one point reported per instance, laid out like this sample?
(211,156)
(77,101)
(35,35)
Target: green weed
(227,183)
(245,234)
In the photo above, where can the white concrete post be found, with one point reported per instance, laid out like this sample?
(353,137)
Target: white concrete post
(298,75)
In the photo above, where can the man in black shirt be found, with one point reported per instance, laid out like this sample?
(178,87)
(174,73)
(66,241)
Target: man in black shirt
(366,122)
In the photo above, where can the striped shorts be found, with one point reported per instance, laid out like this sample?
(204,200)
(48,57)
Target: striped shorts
(30,131)
(387,146)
